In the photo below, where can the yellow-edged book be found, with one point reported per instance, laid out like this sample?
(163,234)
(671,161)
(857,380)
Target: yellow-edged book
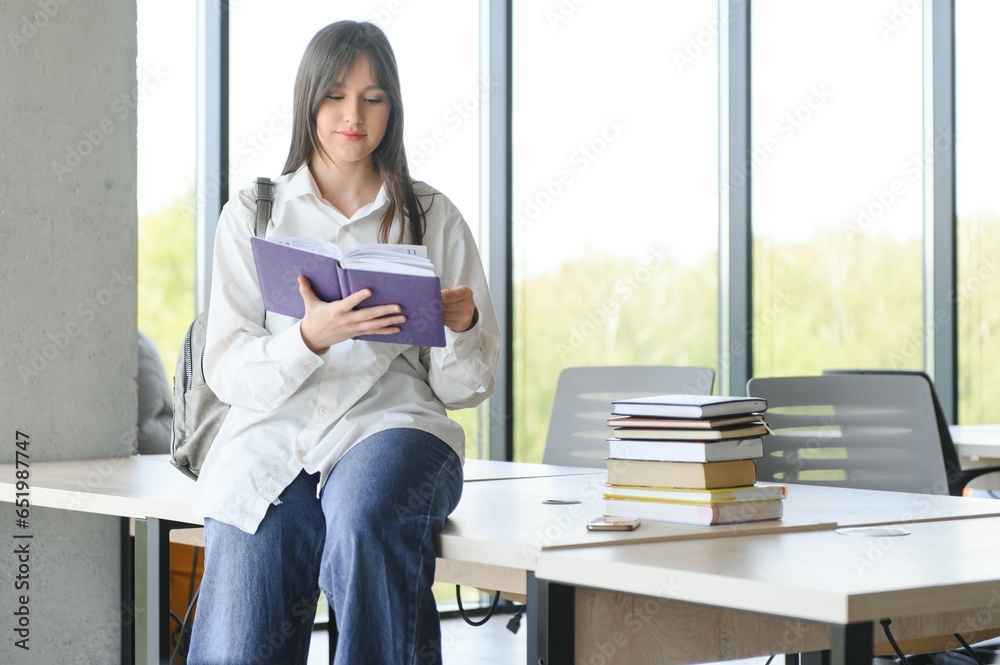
(759,492)
(698,475)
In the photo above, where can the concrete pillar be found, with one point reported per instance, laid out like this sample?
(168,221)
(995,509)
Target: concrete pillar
(67,306)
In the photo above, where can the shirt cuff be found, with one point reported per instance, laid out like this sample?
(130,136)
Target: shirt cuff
(458,342)
(289,346)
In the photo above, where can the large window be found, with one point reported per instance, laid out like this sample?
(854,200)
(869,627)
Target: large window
(977,55)
(615,219)
(615,193)
(165,104)
(837,199)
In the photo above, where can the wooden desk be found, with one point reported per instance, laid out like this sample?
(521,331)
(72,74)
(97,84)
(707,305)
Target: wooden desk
(677,602)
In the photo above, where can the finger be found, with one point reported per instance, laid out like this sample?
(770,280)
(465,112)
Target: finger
(305,290)
(383,326)
(456,295)
(380,311)
(356,298)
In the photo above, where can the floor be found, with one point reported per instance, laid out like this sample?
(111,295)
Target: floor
(489,644)
(462,644)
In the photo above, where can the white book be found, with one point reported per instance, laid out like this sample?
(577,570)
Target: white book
(686,451)
(688,406)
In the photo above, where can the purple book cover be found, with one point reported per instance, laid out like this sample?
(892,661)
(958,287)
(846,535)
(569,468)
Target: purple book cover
(278,267)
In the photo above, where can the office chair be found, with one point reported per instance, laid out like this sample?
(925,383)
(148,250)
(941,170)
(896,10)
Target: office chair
(578,431)
(868,431)
(958,478)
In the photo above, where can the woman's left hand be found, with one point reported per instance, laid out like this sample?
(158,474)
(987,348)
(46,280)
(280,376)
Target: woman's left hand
(459,307)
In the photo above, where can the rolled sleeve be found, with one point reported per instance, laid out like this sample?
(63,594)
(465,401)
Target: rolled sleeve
(245,364)
(463,372)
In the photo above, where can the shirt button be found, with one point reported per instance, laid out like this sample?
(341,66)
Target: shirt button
(332,369)
(459,342)
(269,489)
(321,411)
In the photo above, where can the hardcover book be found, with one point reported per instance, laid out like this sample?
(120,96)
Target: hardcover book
(697,513)
(682,423)
(686,451)
(657,434)
(759,492)
(396,274)
(700,475)
(688,406)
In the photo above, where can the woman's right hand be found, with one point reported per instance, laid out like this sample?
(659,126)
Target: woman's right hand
(329,323)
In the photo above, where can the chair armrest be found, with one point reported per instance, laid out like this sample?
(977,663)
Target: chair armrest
(966,475)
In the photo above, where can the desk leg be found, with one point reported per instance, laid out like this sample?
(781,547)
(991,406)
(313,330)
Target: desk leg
(152,542)
(851,644)
(551,612)
(809,658)
(128,593)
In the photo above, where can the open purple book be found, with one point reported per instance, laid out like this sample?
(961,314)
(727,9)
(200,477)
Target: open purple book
(396,274)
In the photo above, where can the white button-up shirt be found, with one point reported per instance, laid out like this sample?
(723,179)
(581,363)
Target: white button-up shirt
(293,409)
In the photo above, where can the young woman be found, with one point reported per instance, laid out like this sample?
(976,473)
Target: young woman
(337,462)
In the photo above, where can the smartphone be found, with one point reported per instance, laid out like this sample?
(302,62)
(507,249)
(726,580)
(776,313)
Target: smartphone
(614,524)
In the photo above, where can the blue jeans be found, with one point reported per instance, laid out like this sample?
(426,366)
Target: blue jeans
(367,542)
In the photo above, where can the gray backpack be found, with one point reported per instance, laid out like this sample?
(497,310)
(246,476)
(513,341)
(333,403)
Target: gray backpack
(198,413)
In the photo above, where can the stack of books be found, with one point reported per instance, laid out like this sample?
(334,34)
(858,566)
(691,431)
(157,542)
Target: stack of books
(689,459)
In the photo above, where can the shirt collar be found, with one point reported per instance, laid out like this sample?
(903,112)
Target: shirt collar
(302,183)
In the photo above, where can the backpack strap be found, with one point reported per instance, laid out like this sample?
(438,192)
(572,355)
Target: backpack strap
(264,198)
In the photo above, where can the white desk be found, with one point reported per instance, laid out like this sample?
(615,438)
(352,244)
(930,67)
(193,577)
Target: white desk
(149,490)
(975,441)
(500,528)
(774,593)
(492,540)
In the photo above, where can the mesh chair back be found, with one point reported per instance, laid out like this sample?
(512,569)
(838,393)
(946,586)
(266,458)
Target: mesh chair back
(578,431)
(870,431)
(949,454)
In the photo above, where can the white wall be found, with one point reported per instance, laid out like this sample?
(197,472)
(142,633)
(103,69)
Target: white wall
(68,317)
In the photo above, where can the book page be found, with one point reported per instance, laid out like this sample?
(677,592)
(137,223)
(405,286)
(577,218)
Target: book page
(400,259)
(313,245)
(390,249)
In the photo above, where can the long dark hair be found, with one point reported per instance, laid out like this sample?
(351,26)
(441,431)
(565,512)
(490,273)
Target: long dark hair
(328,57)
